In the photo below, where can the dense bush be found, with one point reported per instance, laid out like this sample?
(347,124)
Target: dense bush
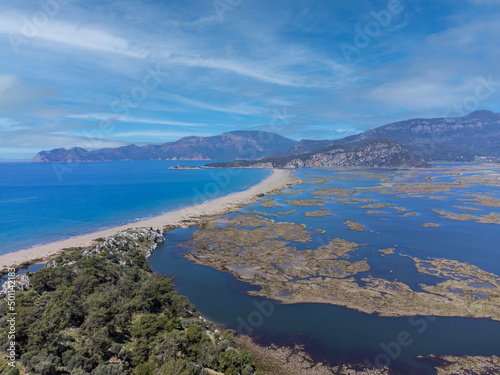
(107,314)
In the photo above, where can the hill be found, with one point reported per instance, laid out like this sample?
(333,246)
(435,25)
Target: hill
(381,153)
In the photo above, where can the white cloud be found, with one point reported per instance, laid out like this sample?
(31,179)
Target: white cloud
(241,109)
(422,93)
(470,35)
(9,125)
(78,36)
(127,119)
(260,71)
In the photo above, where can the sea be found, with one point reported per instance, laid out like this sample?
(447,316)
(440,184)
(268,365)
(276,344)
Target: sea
(42,203)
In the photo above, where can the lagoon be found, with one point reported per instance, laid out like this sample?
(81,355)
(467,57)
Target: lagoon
(337,334)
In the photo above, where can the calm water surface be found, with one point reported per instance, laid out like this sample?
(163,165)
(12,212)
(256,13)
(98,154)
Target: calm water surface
(42,203)
(336,333)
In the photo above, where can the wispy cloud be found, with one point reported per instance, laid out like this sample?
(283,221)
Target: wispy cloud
(8,125)
(249,70)
(235,74)
(241,109)
(86,37)
(133,120)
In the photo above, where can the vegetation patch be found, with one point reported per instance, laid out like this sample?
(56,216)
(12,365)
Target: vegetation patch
(102,312)
(467,208)
(335,191)
(304,202)
(400,209)
(265,254)
(269,202)
(389,251)
(430,225)
(352,225)
(408,214)
(486,200)
(379,205)
(492,218)
(425,188)
(286,212)
(317,213)
(465,365)
(379,190)
(315,182)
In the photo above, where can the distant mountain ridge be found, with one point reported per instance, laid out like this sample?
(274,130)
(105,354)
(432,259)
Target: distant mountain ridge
(473,137)
(303,146)
(240,144)
(380,153)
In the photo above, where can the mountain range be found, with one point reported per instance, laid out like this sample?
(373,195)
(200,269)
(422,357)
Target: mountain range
(227,146)
(473,137)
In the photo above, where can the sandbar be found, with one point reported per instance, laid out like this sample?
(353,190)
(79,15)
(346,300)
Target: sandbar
(279,179)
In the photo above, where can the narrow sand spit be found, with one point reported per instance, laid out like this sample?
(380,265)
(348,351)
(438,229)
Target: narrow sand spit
(277,180)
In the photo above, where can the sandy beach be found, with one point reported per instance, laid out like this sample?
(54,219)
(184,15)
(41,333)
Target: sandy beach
(277,180)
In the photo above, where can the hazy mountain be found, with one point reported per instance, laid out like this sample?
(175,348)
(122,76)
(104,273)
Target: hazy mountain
(381,153)
(232,145)
(474,137)
(303,147)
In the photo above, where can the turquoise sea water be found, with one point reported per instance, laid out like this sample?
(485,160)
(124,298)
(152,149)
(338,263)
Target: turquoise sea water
(42,203)
(337,334)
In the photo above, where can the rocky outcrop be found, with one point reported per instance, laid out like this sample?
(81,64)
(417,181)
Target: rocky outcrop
(142,239)
(376,154)
(13,284)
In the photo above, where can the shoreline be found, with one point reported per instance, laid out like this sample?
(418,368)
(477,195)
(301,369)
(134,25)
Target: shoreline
(279,179)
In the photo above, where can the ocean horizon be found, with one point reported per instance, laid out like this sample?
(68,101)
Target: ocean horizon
(44,203)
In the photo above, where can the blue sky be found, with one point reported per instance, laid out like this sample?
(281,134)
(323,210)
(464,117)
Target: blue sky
(108,73)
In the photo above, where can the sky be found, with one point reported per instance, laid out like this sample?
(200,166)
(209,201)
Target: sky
(97,74)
